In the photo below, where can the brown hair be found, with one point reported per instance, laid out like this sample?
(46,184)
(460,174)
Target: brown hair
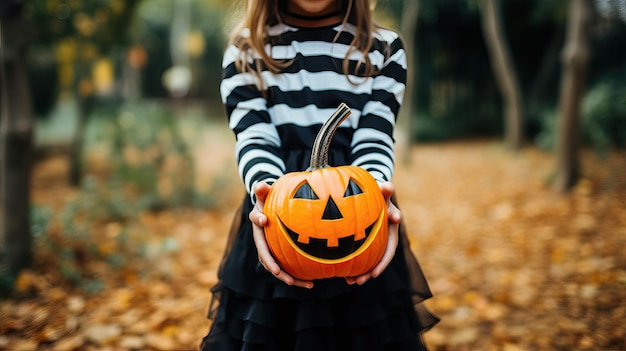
(260,14)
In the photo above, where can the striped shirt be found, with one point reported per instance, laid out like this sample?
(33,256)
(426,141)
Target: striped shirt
(303,96)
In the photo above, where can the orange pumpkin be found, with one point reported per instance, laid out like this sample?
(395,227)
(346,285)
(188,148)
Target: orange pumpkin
(326,221)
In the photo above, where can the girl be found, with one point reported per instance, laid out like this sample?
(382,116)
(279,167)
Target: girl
(289,64)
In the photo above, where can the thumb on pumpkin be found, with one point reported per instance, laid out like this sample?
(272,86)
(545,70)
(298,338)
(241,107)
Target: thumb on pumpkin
(256,215)
(388,189)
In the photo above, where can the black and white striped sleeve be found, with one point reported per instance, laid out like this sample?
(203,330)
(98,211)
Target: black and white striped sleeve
(373,143)
(257,141)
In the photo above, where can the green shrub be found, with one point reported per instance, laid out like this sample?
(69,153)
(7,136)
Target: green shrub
(602,119)
(604,116)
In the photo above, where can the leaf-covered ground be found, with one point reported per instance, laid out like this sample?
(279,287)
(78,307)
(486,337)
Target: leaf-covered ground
(512,264)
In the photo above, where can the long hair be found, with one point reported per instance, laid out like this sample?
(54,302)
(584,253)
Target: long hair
(260,14)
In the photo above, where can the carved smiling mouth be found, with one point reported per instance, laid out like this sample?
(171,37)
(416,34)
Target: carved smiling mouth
(319,247)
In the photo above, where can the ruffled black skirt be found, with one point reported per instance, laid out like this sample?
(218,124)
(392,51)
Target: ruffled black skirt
(252,310)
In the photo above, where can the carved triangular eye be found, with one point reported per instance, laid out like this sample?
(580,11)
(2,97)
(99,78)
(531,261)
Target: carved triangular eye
(353,189)
(305,192)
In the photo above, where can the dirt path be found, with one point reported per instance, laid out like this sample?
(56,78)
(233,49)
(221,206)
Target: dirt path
(513,265)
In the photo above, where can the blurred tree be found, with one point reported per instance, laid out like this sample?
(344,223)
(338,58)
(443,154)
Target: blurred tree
(177,79)
(574,57)
(550,16)
(455,92)
(504,72)
(136,59)
(16,145)
(410,15)
(200,37)
(87,38)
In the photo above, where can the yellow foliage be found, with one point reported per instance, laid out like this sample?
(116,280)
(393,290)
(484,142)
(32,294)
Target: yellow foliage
(84,24)
(114,229)
(117,6)
(66,75)
(24,281)
(106,248)
(102,74)
(194,43)
(65,51)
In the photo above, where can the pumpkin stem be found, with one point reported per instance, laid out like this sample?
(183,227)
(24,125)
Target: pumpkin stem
(319,153)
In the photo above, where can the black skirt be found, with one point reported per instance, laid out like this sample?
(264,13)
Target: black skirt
(252,310)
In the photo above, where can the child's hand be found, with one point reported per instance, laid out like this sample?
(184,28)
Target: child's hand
(394,216)
(259,220)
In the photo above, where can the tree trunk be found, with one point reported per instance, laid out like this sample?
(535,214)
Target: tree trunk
(574,58)
(84,103)
(504,72)
(16,158)
(84,95)
(408,30)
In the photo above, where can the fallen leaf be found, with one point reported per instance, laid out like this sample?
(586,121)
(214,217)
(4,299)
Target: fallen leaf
(463,336)
(21,344)
(103,334)
(132,342)
(70,343)
(76,304)
(161,342)
(512,264)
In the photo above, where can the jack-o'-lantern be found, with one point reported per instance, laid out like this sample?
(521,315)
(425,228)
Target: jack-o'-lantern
(326,221)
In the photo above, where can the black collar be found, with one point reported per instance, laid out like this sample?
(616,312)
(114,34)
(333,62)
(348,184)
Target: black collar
(313,18)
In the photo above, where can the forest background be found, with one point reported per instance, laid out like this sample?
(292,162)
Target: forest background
(119,180)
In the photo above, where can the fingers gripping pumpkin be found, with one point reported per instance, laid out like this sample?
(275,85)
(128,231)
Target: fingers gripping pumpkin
(326,221)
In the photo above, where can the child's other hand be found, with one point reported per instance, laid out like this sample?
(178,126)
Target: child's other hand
(259,220)
(395,217)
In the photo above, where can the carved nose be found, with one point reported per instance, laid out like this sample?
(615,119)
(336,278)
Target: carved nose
(331,211)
